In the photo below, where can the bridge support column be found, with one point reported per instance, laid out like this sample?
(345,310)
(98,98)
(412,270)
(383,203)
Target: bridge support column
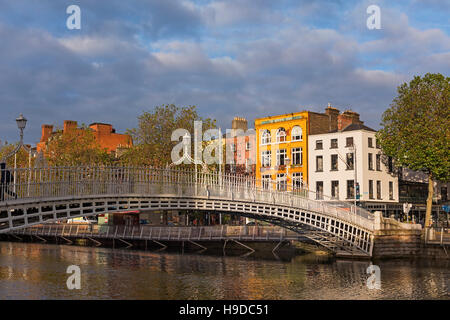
(240,243)
(126,242)
(197,244)
(98,243)
(276,248)
(68,241)
(161,244)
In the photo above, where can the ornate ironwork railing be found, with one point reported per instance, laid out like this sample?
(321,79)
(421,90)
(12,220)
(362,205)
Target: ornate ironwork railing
(59,182)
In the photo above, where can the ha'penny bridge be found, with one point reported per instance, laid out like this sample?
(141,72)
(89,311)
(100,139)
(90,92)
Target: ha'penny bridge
(34,196)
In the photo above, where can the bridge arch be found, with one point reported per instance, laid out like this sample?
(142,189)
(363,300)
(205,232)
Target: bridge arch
(91,191)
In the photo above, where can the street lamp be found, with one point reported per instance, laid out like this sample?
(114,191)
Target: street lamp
(353,148)
(21,124)
(287,161)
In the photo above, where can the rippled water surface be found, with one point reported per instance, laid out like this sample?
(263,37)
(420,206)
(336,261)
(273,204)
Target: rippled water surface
(38,271)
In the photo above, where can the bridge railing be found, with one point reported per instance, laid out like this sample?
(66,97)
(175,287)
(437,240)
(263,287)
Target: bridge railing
(38,183)
(174,233)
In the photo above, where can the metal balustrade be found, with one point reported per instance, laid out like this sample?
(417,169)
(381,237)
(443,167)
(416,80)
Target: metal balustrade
(34,195)
(201,233)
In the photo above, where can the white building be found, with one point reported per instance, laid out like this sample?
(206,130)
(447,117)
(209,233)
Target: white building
(332,167)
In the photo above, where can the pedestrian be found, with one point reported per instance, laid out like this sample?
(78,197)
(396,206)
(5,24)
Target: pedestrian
(5,179)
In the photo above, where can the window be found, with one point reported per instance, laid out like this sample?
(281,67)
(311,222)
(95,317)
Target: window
(391,190)
(319,163)
(378,162)
(247,146)
(370,142)
(378,190)
(281,157)
(370,161)
(266,181)
(266,158)
(334,162)
(390,165)
(377,144)
(319,190)
(281,182)
(334,144)
(350,189)
(232,165)
(335,189)
(443,193)
(297,155)
(350,162)
(265,137)
(233,147)
(319,145)
(297,134)
(281,135)
(349,142)
(297,180)
(370,189)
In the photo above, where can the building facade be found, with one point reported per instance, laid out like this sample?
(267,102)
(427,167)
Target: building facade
(413,187)
(349,159)
(104,133)
(282,146)
(240,148)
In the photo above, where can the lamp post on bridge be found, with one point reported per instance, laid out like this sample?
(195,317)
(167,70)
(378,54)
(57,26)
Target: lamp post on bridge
(356,185)
(21,124)
(287,161)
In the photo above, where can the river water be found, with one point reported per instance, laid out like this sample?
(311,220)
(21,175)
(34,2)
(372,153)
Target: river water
(38,271)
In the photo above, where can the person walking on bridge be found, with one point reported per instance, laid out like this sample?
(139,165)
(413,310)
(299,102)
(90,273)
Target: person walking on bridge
(5,179)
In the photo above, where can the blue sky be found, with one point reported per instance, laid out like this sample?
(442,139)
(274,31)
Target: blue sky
(248,58)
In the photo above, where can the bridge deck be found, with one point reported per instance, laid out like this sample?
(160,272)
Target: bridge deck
(177,234)
(39,195)
(203,233)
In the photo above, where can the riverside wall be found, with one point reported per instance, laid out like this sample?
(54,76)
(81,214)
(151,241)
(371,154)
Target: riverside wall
(394,239)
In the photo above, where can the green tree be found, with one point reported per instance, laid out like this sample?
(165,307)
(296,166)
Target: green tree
(22,156)
(416,130)
(152,137)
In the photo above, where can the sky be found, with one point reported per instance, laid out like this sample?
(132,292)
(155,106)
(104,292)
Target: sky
(247,58)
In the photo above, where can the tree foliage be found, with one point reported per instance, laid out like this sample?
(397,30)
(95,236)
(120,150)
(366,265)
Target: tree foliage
(22,156)
(416,128)
(152,137)
(75,147)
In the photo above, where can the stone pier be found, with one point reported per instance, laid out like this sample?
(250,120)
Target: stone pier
(394,239)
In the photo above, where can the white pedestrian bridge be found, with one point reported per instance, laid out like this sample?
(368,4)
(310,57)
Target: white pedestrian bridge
(38,195)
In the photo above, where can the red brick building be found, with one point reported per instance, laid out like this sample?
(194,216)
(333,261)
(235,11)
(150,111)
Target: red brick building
(104,133)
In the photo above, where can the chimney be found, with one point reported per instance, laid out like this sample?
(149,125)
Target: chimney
(47,130)
(102,128)
(348,117)
(239,123)
(333,115)
(69,125)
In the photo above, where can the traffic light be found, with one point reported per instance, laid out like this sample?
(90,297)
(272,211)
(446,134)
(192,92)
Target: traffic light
(357,191)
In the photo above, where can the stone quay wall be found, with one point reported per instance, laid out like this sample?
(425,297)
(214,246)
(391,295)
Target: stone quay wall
(394,239)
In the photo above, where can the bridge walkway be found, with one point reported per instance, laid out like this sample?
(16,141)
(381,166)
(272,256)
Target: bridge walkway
(192,234)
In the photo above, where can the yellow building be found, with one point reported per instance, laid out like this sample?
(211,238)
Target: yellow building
(282,146)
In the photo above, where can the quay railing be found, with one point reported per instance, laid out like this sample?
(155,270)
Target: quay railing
(437,235)
(57,182)
(165,233)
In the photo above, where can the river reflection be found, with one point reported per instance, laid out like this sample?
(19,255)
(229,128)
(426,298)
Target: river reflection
(38,271)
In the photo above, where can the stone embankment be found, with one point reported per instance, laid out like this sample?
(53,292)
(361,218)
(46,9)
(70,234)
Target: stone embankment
(394,239)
